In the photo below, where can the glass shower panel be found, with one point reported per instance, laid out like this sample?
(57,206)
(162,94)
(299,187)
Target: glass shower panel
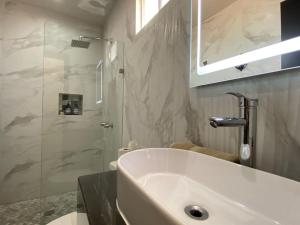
(73,140)
(113,92)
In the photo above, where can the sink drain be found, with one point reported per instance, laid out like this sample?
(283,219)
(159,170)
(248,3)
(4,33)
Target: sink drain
(196,212)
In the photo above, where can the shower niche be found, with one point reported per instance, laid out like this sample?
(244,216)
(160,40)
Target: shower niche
(70,104)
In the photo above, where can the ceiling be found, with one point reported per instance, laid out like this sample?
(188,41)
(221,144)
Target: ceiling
(211,7)
(95,11)
(91,11)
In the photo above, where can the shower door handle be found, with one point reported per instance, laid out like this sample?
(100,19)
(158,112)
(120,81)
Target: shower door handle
(102,124)
(107,125)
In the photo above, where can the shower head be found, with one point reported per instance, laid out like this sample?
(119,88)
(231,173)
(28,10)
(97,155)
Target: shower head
(80,44)
(85,41)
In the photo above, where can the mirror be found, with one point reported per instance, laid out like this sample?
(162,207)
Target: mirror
(233,39)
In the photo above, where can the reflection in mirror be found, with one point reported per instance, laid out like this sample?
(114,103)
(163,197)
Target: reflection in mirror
(242,38)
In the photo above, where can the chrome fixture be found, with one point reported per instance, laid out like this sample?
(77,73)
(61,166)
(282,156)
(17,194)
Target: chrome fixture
(85,41)
(82,37)
(196,212)
(106,125)
(247,123)
(226,122)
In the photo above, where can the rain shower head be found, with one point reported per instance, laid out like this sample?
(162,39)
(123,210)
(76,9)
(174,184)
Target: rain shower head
(84,41)
(80,44)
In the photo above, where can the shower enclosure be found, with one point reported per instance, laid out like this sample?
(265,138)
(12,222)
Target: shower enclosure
(60,79)
(76,145)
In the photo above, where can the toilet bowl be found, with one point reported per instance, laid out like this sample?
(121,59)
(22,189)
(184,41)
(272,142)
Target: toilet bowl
(73,218)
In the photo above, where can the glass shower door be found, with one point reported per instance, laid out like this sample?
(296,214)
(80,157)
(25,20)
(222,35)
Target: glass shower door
(113,92)
(74,143)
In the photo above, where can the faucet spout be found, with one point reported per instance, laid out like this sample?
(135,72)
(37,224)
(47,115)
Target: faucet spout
(227,122)
(246,122)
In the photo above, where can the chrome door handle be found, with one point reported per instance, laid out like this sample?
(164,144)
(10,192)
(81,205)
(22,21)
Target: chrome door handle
(106,125)
(102,124)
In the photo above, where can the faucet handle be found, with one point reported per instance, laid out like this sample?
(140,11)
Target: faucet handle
(236,94)
(243,100)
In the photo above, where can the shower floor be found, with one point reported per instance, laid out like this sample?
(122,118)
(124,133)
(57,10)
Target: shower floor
(21,213)
(28,212)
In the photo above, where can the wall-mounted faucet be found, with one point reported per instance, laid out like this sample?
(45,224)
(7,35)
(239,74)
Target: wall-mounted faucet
(247,124)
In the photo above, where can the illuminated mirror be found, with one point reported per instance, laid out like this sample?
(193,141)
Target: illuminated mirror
(233,39)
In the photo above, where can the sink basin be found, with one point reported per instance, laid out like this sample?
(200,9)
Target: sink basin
(156,185)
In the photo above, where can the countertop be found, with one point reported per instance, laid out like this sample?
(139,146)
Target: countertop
(97,198)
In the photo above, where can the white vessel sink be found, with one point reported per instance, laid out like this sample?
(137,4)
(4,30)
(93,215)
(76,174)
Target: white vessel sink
(155,186)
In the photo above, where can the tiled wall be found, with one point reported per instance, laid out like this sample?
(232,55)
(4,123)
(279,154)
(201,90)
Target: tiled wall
(36,142)
(156,94)
(160,108)
(21,103)
(72,146)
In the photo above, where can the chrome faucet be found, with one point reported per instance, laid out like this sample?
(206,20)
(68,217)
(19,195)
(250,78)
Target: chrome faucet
(247,124)
(226,122)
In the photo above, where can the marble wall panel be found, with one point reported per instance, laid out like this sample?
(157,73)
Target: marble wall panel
(21,101)
(150,106)
(72,145)
(278,112)
(156,101)
(35,142)
(160,108)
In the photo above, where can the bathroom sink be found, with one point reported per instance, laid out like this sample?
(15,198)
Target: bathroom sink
(169,186)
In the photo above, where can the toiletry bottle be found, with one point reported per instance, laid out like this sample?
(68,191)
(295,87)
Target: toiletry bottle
(76,110)
(68,109)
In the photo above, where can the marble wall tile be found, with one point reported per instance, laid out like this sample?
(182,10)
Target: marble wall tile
(278,113)
(153,112)
(21,99)
(72,146)
(156,97)
(1,55)
(160,108)
(35,142)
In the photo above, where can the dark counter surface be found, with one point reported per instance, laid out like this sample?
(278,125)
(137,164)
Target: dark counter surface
(97,197)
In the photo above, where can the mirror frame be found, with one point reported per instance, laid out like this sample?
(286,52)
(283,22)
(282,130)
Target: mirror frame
(225,70)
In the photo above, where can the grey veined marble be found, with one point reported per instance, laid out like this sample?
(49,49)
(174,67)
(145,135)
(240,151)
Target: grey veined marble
(38,63)
(160,108)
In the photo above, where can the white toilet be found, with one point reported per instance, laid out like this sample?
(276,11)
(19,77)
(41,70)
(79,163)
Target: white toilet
(73,218)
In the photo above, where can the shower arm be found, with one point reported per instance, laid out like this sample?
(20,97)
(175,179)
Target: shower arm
(81,37)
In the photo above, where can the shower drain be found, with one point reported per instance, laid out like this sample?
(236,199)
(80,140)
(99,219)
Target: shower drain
(196,212)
